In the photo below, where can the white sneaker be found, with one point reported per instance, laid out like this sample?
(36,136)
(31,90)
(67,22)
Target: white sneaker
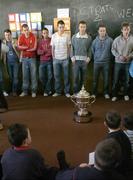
(5,93)
(114,99)
(56,94)
(106,96)
(45,94)
(67,95)
(126,98)
(33,95)
(23,94)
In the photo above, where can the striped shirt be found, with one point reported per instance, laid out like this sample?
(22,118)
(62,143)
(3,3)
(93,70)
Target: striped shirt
(129,133)
(60,45)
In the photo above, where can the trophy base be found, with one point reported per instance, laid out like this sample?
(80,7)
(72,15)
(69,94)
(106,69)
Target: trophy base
(82,119)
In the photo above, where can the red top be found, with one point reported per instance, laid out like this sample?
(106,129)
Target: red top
(20,148)
(44,49)
(27,45)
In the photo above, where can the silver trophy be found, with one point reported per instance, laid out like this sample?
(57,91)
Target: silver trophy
(82,100)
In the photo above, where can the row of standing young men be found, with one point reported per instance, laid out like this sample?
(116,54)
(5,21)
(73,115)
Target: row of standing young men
(54,56)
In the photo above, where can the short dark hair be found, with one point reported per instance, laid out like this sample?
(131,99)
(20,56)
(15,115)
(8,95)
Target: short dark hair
(17,133)
(101,26)
(45,29)
(82,22)
(25,26)
(124,24)
(60,22)
(113,119)
(7,31)
(128,120)
(107,154)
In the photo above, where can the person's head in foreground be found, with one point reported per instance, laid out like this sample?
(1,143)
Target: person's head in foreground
(128,121)
(107,154)
(19,135)
(113,120)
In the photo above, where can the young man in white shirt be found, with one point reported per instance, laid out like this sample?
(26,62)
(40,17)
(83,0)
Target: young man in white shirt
(60,51)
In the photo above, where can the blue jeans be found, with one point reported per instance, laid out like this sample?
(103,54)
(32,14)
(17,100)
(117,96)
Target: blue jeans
(98,68)
(13,75)
(79,73)
(124,68)
(58,66)
(29,73)
(46,75)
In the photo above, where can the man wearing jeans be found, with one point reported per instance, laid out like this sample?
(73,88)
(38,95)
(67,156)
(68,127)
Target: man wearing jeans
(101,49)
(80,55)
(60,50)
(122,49)
(45,68)
(27,43)
(11,60)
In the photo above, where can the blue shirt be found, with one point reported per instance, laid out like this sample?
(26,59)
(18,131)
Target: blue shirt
(11,54)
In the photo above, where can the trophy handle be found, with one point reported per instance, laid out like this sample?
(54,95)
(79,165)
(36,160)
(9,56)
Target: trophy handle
(92,99)
(73,98)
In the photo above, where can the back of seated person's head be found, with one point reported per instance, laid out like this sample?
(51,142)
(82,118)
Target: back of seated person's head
(18,135)
(113,120)
(128,121)
(107,154)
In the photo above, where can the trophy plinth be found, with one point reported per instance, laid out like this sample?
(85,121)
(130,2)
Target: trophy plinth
(82,100)
(82,119)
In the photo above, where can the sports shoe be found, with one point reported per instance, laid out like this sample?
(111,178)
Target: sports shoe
(5,93)
(23,94)
(45,94)
(126,98)
(33,95)
(93,95)
(114,99)
(106,96)
(56,94)
(67,95)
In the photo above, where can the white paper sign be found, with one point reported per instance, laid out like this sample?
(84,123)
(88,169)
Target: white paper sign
(63,13)
(91,158)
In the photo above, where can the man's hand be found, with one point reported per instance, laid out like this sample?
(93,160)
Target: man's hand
(87,60)
(84,165)
(122,58)
(73,60)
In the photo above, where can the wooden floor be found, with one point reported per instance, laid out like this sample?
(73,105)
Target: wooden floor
(52,127)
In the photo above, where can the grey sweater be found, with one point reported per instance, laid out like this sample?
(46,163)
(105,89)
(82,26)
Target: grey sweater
(80,47)
(122,47)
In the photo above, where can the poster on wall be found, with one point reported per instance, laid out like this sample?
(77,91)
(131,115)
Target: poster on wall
(63,13)
(36,17)
(11,17)
(16,20)
(12,26)
(23,17)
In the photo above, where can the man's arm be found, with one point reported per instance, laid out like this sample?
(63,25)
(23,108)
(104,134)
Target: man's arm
(35,46)
(20,45)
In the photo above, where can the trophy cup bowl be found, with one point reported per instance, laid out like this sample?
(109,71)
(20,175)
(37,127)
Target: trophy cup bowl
(82,100)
